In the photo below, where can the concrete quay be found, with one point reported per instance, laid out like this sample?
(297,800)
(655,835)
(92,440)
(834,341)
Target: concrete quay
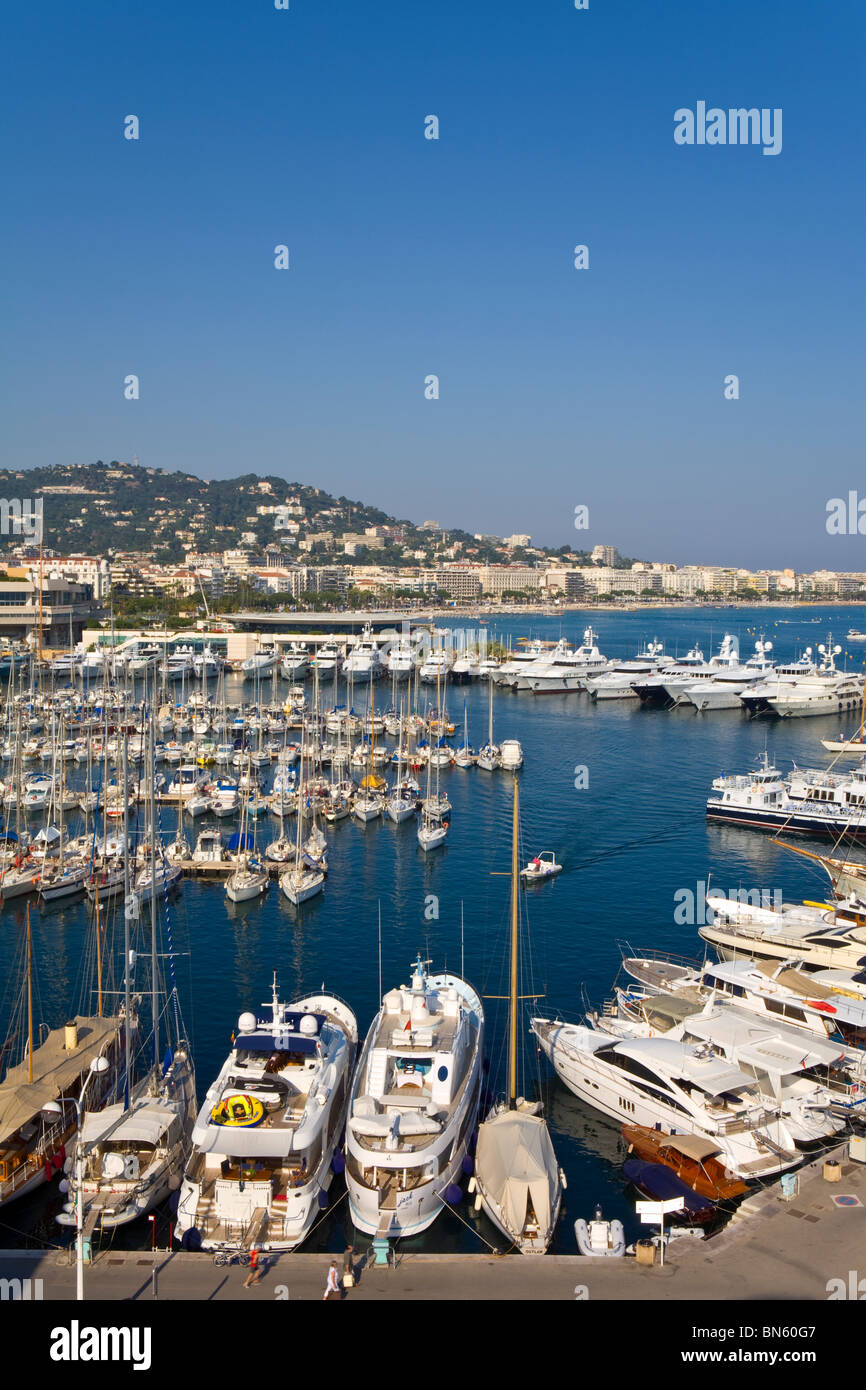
(774,1249)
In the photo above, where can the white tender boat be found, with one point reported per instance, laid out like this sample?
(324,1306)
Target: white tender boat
(599,1238)
(414,1103)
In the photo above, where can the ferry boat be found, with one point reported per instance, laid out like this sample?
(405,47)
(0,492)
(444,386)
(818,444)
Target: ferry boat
(810,801)
(414,1103)
(268,1129)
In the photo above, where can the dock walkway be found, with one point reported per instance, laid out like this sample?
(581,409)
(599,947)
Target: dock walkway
(774,1248)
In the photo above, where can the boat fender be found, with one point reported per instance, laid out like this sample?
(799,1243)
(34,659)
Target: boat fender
(478,1202)
(468,1165)
(49,1171)
(338,1163)
(471,1186)
(453,1194)
(57,1159)
(323,1199)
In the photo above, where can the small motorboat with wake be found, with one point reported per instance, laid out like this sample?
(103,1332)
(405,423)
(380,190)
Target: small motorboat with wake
(540,867)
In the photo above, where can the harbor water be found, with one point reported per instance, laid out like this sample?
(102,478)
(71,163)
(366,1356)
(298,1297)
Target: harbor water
(616,790)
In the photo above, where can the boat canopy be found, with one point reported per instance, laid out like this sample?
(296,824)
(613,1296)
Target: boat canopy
(690,1145)
(54,1069)
(145,1123)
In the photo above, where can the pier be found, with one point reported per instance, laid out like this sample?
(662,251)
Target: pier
(774,1248)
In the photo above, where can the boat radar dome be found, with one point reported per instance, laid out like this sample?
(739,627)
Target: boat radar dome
(247,1023)
(309,1025)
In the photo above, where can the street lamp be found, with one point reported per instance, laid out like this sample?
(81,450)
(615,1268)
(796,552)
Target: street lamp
(54,1107)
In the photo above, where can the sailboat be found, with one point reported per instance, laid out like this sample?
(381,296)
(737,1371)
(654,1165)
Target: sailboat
(133,1152)
(304,878)
(249,878)
(490,756)
(432,830)
(518,1181)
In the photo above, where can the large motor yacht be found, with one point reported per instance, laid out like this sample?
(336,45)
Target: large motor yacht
(414,1103)
(268,1128)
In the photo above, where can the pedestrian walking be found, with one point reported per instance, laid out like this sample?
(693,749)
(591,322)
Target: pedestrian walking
(332,1285)
(255,1273)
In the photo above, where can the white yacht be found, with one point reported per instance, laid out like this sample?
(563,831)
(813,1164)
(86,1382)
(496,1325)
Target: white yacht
(618,682)
(295,661)
(206,664)
(178,665)
(363,661)
(676,1086)
(562,669)
(822,938)
(513,666)
(414,1103)
(794,1073)
(436,665)
(327,660)
(723,690)
(402,659)
(826,691)
(260,663)
(803,687)
(651,689)
(727,658)
(268,1128)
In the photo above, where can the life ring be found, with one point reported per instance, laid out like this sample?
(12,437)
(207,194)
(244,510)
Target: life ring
(239,1112)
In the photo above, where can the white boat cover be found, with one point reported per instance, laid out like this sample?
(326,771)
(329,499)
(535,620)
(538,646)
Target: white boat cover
(145,1123)
(514,1160)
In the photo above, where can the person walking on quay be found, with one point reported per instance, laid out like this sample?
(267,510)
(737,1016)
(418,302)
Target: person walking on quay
(332,1284)
(255,1273)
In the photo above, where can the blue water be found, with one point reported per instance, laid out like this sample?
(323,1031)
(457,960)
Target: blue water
(629,841)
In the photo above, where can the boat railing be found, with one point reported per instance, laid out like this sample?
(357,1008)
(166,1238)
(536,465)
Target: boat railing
(628,952)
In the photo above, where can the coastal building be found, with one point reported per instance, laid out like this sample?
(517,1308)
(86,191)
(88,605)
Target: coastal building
(63,611)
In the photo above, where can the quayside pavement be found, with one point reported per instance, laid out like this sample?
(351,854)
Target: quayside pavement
(775,1248)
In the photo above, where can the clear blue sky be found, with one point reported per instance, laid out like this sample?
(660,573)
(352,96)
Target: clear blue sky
(454,257)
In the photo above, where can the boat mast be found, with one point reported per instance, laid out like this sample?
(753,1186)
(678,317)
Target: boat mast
(129,907)
(154,981)
(512,1038)
(29,1003)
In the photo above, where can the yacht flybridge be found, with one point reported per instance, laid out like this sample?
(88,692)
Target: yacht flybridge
(268,1128)
(414,1103)
(805,687)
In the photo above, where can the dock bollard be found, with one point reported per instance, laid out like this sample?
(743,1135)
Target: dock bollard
(380,1247)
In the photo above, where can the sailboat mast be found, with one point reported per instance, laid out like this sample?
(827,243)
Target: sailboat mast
(154,982)
(128,909)
(29,1003)
(512,1032)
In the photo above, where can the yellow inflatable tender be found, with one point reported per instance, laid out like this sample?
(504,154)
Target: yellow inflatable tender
(239,1111)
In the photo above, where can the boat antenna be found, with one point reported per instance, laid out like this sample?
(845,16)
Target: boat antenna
(462,967)
(380,949)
